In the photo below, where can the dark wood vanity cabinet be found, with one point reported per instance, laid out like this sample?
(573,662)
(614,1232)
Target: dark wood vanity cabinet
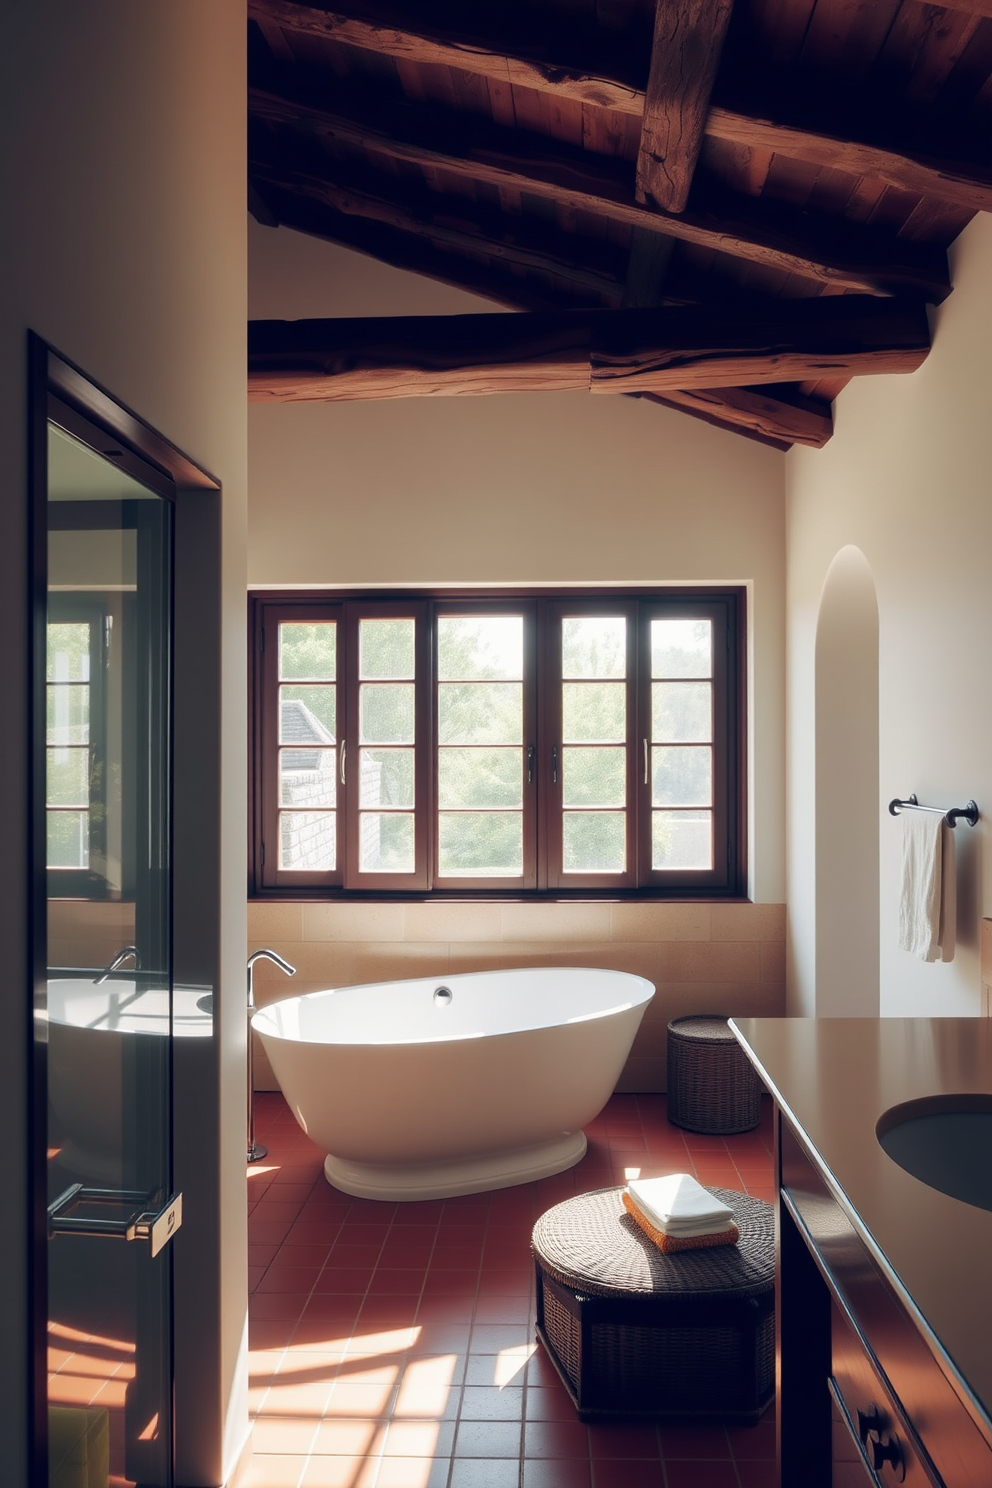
(863,1397)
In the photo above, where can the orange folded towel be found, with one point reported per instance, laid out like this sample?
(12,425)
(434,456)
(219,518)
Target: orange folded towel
(670,1243)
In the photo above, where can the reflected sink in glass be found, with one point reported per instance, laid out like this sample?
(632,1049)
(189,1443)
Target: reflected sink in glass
(946,1142)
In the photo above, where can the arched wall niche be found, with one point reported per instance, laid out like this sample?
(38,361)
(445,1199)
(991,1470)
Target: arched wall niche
(847,791)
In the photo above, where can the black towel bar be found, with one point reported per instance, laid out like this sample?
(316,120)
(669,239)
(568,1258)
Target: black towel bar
(950,813)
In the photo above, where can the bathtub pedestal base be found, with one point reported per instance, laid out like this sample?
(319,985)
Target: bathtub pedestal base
(465,1175)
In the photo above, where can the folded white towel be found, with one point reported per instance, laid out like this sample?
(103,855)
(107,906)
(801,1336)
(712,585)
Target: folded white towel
(922,896)
(678,1205)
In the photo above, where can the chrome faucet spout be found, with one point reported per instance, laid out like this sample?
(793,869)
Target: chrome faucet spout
(255,1150)
(125,953)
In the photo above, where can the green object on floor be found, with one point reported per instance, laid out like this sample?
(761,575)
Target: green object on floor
(78,1447)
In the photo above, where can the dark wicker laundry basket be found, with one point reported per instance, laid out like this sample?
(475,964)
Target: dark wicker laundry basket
(712,1085)
(635,1332)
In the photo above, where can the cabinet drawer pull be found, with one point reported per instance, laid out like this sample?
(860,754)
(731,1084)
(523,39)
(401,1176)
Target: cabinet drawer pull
(868,1421)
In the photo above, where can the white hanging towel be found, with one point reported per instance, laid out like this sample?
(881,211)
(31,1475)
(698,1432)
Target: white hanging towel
(926,899)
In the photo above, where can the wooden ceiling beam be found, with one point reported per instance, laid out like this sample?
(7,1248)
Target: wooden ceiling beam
(775,235)
(574,62)
(599,351)
(592,269)
(685,56)
(589,69)
(771,415)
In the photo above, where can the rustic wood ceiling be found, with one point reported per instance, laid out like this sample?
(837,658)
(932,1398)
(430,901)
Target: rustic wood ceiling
(734,162)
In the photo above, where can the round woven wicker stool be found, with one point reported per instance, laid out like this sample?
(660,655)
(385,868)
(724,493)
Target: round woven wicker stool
(712,1085)
(635,1332)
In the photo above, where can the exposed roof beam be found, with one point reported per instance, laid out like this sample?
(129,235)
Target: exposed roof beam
(600,351)
(685,55)
(573,62)
(578,65)
(769,233)
(773,415)
(592,269)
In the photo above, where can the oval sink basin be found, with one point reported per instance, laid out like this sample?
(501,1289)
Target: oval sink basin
(946,1142)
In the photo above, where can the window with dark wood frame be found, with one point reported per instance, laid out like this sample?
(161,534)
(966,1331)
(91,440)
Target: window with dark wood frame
(570,743)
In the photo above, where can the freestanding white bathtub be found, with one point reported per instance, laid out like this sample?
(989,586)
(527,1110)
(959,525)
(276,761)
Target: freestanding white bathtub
(438,1086)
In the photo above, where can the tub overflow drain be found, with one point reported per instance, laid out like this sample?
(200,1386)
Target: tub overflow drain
(443,996)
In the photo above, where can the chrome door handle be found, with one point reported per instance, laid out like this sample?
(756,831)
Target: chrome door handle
(157,1226)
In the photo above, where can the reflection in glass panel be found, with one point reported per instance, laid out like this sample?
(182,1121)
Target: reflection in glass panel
(68,713)
(480,713)
(594,646)
(681,648)
(480,777)
(681,712)
(480,647)
(68,654)
(594,842)
(682,839)
(307,715)
(307,777)
(386,649)
(480,844)
(308,651)
(385,777)
(594,777)
(594,711)
(308,841)
(386,713)
(386,843)
(681,776)
(68,777)
(68,839)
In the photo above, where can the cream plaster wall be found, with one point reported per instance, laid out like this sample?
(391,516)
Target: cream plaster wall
(532,490)
(906,478)
(122,167)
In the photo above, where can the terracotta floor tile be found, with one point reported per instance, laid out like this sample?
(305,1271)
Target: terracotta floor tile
(701,1475)
(297,1399)
(412,1472)
(693,1442)
(419,1439)
(356,1400)
(267,1307)
(340,1472)
(396,1282)
(758,1474)
(549,1403)
(348,1438)
(623,1439)
(627,1473)
(454,1282)
(754,1441)
(488,1439)
(485,1472)
(489,1403)
(272,1471)
(283,1436)
(557,1473)
(556,1439)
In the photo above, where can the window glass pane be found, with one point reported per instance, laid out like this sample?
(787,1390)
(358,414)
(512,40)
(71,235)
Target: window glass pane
(307,841)
(681,839)
(487,647)
(385,713)
(307,777)
(68,653)
(480,777)
(681,777)
(68,781)
(594,777)
(480,844)
(386,777)
(594,646)
(595,711)
(386,843)
(681,712)
(68,707)
(386,648)
(307,715)
(480,713)
(308,650)
(594,842)
(68,839)
(681,648)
